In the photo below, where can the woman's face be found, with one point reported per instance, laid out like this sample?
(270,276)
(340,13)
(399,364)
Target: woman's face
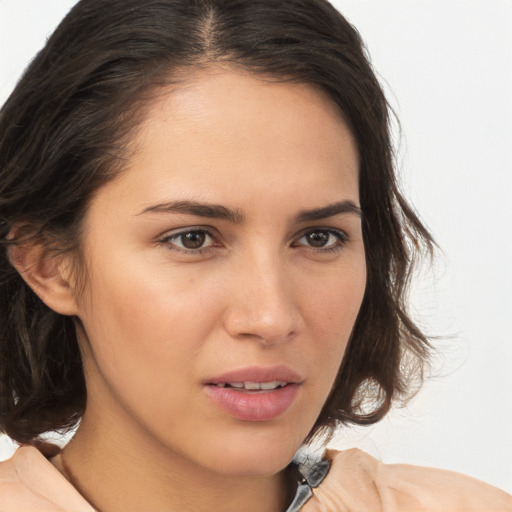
(228,252)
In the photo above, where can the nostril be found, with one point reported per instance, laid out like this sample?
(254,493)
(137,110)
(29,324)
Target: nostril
(267,335)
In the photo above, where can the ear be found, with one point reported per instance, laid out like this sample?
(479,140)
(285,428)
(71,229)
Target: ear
(49,275)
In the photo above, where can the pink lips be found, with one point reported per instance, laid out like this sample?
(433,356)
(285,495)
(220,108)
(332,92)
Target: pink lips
(261,405)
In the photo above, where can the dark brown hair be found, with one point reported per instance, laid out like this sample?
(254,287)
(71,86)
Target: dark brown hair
(63,134)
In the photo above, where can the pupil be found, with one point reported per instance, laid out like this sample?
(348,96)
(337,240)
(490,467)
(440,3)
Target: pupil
(193,240)
(318,238)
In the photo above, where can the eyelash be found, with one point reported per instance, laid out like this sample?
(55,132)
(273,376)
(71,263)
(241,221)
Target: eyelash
(168,240)
(341,236)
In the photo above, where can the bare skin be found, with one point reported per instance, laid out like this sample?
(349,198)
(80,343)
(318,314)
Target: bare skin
(269,284)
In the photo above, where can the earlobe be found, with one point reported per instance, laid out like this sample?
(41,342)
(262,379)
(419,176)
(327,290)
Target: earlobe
(47,274)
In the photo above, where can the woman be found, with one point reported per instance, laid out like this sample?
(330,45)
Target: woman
(205,261)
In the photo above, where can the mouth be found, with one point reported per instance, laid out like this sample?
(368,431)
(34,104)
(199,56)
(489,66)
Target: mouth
(255,393)
(257,378)
(253,387)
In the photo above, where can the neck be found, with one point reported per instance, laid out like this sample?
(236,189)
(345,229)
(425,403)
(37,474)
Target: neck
(118,472)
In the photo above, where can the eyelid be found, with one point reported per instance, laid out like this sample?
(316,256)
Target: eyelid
(166,239)
(340,234)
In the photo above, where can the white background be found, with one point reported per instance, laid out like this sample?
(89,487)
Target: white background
(447,67)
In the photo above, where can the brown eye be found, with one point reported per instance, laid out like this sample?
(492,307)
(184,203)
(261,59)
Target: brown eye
(322,239)
(317,238)
(192,240)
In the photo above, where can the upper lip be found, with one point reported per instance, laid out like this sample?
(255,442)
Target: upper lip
(258,374)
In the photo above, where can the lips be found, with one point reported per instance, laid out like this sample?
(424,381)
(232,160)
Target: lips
(258,374)
(254,386)
(254,393)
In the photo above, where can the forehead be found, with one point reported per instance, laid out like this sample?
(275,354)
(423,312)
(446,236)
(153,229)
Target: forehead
(222,134)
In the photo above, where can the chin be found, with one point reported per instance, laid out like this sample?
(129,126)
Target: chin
(260,452)
(260,464)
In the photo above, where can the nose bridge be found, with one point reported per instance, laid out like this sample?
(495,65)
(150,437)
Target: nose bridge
(264,304)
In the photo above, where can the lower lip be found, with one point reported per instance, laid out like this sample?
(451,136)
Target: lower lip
(260,406)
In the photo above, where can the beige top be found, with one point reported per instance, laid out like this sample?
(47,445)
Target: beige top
(356,482)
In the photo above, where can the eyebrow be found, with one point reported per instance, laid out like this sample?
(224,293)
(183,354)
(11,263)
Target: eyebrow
(235,216)
(215,211)
(330,211)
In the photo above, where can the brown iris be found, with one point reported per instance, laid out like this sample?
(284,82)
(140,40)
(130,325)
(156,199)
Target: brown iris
(193,239)
(317,238)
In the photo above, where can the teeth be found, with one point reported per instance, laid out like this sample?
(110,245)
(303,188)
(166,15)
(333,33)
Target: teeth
(254,386)
(271,385)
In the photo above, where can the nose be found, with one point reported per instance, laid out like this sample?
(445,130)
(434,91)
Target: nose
(264,304)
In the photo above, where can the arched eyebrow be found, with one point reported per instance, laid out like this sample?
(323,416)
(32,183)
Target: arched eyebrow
(330,210)
(216,211)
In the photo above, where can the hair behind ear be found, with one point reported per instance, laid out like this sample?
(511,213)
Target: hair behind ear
(42,387)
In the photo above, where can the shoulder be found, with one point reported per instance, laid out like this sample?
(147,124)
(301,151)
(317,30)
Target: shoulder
(30,483)
(356,481)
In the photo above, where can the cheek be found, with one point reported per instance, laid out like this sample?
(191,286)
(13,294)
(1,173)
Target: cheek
(332,306)
(148,327)
(332,309)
